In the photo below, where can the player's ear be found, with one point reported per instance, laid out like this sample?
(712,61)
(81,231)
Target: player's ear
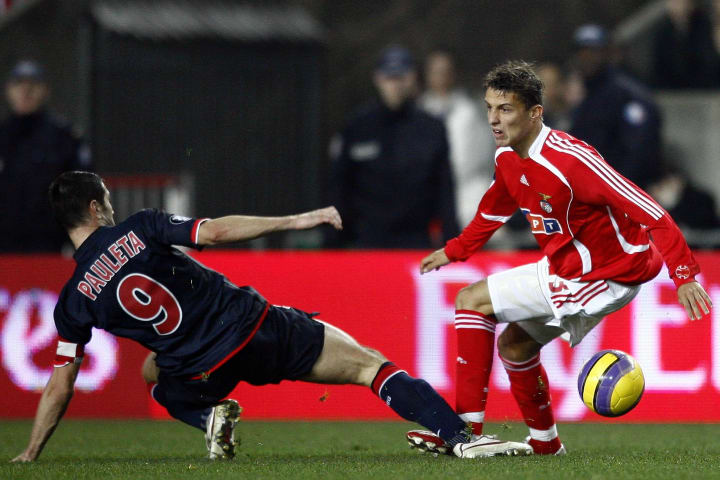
(94,208)
(536,112)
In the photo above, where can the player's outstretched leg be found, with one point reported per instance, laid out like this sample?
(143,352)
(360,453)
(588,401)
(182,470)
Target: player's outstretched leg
(529,384)
(344,361)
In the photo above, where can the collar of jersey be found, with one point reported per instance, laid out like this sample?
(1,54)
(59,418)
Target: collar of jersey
(539,141)
(88,247)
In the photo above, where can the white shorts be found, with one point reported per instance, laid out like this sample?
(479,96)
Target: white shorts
(547,306)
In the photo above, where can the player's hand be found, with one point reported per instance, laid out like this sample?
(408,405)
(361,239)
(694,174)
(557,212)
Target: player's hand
(434,261)
(695,299)
(314,218)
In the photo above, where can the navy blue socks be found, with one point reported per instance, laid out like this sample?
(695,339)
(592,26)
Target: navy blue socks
(415,400)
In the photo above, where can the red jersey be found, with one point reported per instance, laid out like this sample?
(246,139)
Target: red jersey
(590,222)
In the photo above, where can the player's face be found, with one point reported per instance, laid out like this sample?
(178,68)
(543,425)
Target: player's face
(513,124)
(26,96)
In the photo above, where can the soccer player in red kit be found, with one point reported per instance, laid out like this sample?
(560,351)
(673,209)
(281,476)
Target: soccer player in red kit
(594,228)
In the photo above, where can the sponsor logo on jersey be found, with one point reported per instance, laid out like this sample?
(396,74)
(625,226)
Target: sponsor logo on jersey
(540,224)
(524,180)
(682,272)
(178,219)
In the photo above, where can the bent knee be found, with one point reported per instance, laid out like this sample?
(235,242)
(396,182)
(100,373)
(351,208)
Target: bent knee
(517,346)
(474,297)
(369,366)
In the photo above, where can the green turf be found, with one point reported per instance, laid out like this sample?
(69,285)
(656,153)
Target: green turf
(296,450)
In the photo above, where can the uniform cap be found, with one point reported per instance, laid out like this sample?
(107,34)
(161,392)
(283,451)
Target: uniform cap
(395,60)
(591,36)
(27,69)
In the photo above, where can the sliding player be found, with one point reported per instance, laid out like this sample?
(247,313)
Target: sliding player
(206,333)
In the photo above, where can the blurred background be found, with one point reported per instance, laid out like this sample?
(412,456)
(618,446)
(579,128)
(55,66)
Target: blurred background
(274,107)
(220,107)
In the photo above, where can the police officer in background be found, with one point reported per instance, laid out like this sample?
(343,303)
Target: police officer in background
(35,147)
(391,177)
(618,115)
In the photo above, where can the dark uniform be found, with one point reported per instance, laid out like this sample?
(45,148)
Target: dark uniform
(208,333)
(391,179)
(620,119)
(34,150)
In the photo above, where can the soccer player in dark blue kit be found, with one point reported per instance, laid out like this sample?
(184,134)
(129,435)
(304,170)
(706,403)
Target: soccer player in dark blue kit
(206,334)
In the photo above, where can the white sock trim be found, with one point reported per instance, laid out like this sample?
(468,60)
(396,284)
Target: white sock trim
(476,417)
(544,435)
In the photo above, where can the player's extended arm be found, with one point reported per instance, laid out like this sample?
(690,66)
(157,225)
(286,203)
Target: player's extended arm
(603,185)
(235,228)
(496,207)
(54,401)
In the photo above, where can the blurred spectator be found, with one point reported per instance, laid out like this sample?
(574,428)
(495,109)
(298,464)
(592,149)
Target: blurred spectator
(618,115)
(391,178)
(685,55)
(689,205)
(561,92)
(472,148)
(35,147)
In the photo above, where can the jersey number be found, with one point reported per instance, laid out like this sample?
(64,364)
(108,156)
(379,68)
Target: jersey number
(147,300)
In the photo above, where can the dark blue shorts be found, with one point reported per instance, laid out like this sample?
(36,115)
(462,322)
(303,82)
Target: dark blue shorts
(285,347)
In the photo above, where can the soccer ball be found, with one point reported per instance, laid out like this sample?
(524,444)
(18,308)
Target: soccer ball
(611,383)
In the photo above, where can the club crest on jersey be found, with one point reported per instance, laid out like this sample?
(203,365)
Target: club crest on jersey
(178,219)
(540,224)
(544,204)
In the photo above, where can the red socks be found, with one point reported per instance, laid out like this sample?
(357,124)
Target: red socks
(529,384)
(475,344)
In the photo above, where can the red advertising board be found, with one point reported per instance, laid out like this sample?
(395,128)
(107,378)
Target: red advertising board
(381,300)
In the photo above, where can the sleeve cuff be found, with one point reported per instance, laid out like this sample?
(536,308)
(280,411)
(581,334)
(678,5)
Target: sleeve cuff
(683,281)
(451,250)
(684,274)
(195,232)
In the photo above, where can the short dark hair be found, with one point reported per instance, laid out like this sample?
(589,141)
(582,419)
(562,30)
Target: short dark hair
(516,77)
(71,193)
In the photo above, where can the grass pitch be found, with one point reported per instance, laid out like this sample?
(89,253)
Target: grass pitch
(349,450)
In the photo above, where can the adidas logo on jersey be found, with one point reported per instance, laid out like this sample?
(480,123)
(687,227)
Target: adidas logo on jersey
(524,181)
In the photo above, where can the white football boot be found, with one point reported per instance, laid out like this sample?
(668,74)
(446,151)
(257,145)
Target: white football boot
(220,434)
(490,446)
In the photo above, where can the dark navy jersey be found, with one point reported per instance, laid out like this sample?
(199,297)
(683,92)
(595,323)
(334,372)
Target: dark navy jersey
(131,282)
